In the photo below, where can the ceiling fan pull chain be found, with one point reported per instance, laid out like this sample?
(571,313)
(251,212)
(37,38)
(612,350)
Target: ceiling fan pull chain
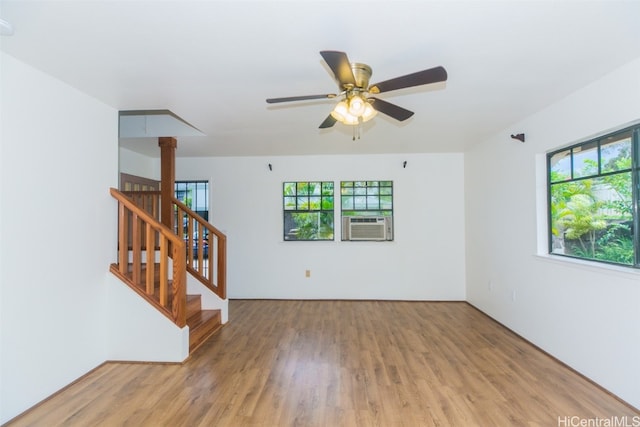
(356,132)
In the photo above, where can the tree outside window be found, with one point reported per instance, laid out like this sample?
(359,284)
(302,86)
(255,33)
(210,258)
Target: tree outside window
(308,210)
(591,199)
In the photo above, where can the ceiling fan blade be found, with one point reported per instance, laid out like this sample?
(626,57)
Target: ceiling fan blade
(391,110)
(424,77)
(328,122)
(300,98)
(339,64)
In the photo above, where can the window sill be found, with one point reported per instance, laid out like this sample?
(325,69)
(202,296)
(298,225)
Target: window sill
(627,272)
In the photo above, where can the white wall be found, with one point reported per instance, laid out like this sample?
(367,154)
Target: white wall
(588,317)
(59,157)
(140,165)
(426,261)
(137,331)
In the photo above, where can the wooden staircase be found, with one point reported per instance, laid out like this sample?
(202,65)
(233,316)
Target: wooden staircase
(145,240)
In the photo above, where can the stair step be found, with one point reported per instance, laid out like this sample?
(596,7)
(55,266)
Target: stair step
(202,325)
(194,304)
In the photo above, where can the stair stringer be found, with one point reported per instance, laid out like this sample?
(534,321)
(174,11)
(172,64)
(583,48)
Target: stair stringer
(210,301)
(138,332)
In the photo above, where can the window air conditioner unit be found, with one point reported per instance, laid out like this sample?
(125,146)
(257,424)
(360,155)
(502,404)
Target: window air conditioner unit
(367,228)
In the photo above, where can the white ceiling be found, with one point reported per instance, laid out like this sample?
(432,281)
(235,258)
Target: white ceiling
(213,63)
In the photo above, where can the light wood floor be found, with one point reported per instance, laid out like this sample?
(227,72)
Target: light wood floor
(341,363)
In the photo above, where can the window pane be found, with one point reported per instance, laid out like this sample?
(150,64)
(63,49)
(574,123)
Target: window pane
(327,203)
(592,218)
(560,164)
(308,226)
(615,153)
(386,202)
(385,190)
(290,203)
(314,188)
(314,203)
(302,188)
(360,202)
(585,160)
(346,191)
(303,203)
(327,188)
(360,191)
(373,202)
(372,183)
(372,190)
(347,202)
(289,189)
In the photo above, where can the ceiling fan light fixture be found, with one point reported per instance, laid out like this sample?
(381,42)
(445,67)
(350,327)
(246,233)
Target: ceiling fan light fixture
(356,105)
(341,114)
(368,113)
(340,111)
(349,116)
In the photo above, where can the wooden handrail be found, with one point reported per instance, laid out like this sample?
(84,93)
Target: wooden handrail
(140,232)
(201,237)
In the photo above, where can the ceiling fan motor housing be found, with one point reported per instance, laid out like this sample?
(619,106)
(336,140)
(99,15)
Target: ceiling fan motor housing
(362,74)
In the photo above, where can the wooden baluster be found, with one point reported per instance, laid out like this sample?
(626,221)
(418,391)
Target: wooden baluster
(200,244)
(179,290)
(123,244)
(156,207)
(213,253)
(189,241)
(156,215)
(151,259)
(222,266)
(164,270)
(136,243)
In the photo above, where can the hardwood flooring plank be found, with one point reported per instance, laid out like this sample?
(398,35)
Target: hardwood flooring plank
(339,363)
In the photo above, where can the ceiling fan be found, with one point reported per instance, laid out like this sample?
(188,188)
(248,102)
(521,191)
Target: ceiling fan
(356,105)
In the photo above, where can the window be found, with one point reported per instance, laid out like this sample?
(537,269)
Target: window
(308,210)
(591,199)
(194,194)
(370,199)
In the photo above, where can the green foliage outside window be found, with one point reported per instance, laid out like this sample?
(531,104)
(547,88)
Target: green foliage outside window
(591,199)
(308,210)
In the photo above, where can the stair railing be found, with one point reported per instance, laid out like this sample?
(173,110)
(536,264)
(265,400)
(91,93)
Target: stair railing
(206,248)
(142,242)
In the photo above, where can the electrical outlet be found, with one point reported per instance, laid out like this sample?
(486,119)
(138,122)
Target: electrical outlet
(307,273)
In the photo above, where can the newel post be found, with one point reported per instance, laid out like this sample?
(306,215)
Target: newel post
(168,147)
